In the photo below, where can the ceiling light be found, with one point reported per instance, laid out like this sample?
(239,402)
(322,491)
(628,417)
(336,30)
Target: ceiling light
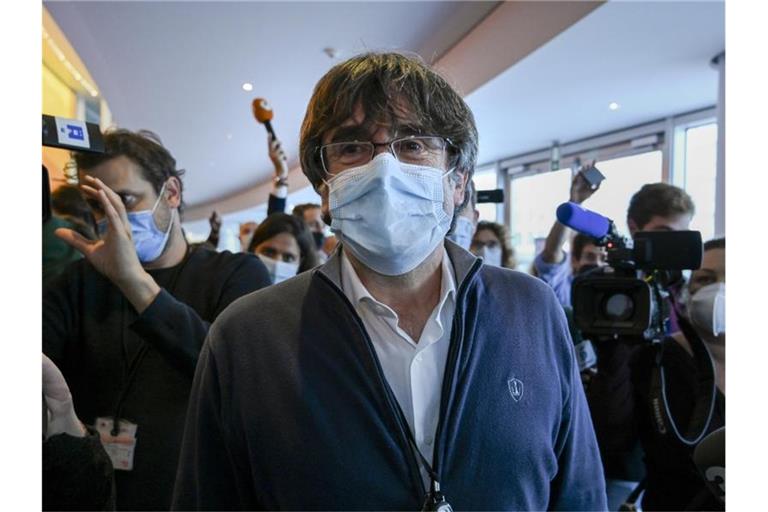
(613,105)
(248,86)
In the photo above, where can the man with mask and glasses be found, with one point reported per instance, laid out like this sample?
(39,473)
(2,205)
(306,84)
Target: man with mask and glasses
(126,324)
(403,373)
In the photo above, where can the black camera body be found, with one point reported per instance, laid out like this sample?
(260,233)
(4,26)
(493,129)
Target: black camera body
(627,298)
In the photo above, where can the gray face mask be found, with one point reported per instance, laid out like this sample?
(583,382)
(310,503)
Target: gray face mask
(490,255)
(279,271)
(706,309)
(462,232)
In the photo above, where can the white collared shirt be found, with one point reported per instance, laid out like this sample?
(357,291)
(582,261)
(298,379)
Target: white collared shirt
(413,370)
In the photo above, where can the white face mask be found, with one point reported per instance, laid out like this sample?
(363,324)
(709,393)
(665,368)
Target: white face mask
(389,214)
(462,232)
(706,309)
(490,255)
(279,270)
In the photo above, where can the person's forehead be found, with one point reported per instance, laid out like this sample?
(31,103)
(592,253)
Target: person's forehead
(485,234)
(713,259)
(121,174)
(284,242)
(678,222)
(364,125)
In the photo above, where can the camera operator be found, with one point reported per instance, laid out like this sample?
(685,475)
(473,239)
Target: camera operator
(672,480)
(553,265)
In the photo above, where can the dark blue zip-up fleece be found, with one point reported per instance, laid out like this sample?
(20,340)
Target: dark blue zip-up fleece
(290,409)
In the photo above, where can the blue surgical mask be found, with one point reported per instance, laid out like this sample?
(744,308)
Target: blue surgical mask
(389,214)
(279,270)
(462,232)
(148,239)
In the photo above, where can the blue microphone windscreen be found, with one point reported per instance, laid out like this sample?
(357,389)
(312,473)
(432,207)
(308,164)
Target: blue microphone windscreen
(583,220)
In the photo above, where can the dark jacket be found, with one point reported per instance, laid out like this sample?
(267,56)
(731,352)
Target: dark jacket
(290,408)
(93,334)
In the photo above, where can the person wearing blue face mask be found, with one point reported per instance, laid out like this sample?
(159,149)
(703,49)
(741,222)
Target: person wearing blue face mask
(284,244)
(403,373)
(126,323)
(466,221)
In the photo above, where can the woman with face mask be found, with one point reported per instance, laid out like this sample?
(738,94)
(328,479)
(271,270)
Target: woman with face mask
(285,245)
(491,242)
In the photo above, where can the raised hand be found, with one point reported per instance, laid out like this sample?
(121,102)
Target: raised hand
(581,190)
(278,157)
(114,255)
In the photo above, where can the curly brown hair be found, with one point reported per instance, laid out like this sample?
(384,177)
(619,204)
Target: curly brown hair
(143,148)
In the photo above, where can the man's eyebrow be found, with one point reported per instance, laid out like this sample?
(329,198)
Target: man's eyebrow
(351,133)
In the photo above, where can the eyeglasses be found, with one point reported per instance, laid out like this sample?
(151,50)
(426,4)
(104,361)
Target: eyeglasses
(428,150)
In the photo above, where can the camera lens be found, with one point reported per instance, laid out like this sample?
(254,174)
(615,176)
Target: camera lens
(619,307)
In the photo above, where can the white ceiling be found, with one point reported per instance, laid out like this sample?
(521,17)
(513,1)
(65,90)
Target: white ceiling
(650,57)
(177,68)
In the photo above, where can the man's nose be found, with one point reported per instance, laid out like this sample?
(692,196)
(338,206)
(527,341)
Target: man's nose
(382,147)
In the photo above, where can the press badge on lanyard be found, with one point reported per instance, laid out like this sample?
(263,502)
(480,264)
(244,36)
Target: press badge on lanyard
(120,447)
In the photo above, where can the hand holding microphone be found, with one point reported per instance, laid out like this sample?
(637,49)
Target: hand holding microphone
(263,113)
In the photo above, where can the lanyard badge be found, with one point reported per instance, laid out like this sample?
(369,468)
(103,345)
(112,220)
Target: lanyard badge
(435,501)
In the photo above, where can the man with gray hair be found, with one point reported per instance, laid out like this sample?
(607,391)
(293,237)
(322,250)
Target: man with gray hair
(403,373)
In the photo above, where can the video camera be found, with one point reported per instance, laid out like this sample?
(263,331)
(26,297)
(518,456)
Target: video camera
(63,133)
(626,298)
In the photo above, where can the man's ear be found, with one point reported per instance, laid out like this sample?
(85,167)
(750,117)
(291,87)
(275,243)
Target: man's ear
(632,225)
(173,192)
(325,209)
(460,188)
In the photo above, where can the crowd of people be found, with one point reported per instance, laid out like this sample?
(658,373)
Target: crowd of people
(375,351)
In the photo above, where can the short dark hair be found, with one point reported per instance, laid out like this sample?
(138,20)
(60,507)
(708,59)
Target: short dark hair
(716,243)
(392,88)
(659,199)
(579,242)
(143,148)
(507,252)
(299,209)
(278,223)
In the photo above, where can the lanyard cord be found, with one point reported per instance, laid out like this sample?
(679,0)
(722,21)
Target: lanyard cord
(133,367)
(435,481)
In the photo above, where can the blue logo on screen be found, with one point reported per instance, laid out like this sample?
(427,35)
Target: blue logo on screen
(75,132)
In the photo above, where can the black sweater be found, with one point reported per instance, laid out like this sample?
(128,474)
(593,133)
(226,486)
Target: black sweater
(93,334)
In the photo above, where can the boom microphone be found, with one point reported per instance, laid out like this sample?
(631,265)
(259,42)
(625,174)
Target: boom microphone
(584,221)
(709,457)
(263,113)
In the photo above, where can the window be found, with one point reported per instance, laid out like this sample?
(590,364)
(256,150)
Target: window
(486,180)
(623,177)
(699,178)
(533,201)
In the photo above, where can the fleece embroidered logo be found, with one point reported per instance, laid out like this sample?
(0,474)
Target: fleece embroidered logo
(515,388)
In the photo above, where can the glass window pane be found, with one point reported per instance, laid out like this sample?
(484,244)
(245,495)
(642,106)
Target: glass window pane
(623,177)
(486,180)
(534,200)
(700,176)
